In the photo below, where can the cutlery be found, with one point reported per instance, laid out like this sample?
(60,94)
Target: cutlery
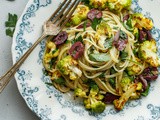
(52,26)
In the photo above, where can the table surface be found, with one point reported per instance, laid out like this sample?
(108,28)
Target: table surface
(13,106)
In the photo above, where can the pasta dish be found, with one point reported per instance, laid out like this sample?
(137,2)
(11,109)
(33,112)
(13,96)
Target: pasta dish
(105,55)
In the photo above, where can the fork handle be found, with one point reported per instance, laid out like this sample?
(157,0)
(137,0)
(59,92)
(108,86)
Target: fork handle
(4,80)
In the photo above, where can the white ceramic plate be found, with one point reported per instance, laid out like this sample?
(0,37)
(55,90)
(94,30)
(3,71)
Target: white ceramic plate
(46,101)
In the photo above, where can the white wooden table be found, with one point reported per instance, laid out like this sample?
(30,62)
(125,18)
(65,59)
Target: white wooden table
(12,105)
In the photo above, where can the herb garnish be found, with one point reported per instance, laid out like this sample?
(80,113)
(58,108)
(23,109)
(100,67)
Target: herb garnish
(10,24)
(95,22)
(77,39)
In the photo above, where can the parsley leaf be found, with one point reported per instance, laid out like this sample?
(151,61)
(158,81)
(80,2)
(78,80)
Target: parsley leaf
(108,43)
(9,32)
(60,81)
(10,24)
(85,1)
(50,84)
(145,93)
(95,22)
(77,39)
(84,25)
(123,35)
(100,57)
(123,55)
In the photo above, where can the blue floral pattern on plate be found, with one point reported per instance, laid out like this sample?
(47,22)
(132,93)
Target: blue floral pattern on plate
(46,101)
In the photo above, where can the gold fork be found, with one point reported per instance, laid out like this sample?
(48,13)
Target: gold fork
(52,26)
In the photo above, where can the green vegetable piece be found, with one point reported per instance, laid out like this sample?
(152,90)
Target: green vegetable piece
(51,63)
(146,92)
(102,75)
(95,23)
(84,25)
(125,82)
(10,24)
(60,81)
(123,55)
(112,82)
(112,70)
(147,52)
(85,1)
(94,90)
(12,20)
(104,28)
(68,24)
(108,43)
(123,35)
(78,39)
(126,3)
(98,107)
(79,92)
(76,20)
(50,84)
(100,57)
(128,24)
(9,32)
(122,4)
(140,21)
(99,4)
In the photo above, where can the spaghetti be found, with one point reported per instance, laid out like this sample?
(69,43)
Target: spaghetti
(102,52)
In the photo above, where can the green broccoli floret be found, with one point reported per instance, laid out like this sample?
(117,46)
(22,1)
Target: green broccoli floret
(78,92)
(147,51)
(140,21)
(100,4)
(68,66)
(115,6)
(94,100)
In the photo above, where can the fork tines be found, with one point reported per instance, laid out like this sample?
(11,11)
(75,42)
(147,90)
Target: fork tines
(61,16)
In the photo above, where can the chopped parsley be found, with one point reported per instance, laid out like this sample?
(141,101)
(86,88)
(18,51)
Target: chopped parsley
(10,24)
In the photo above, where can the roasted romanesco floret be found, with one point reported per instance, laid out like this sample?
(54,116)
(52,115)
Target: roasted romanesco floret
(104,28)
(131,92)
(100,4)
(125,82)
(147,51)
(140,21)
(93,101)
(80,14)
(135,68)
(118,5)
(78,92)
(68,66)
(50,55)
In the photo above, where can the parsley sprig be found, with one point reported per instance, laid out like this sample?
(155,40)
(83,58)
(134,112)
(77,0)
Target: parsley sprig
(10,24)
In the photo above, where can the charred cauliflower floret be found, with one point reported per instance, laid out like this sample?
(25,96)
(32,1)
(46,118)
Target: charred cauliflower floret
(130,92)
(118,5)
(100,4)
(50,55)
(135,67)
(104,28)
(140,21)
(80,14)
(147,51)
(68,66)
